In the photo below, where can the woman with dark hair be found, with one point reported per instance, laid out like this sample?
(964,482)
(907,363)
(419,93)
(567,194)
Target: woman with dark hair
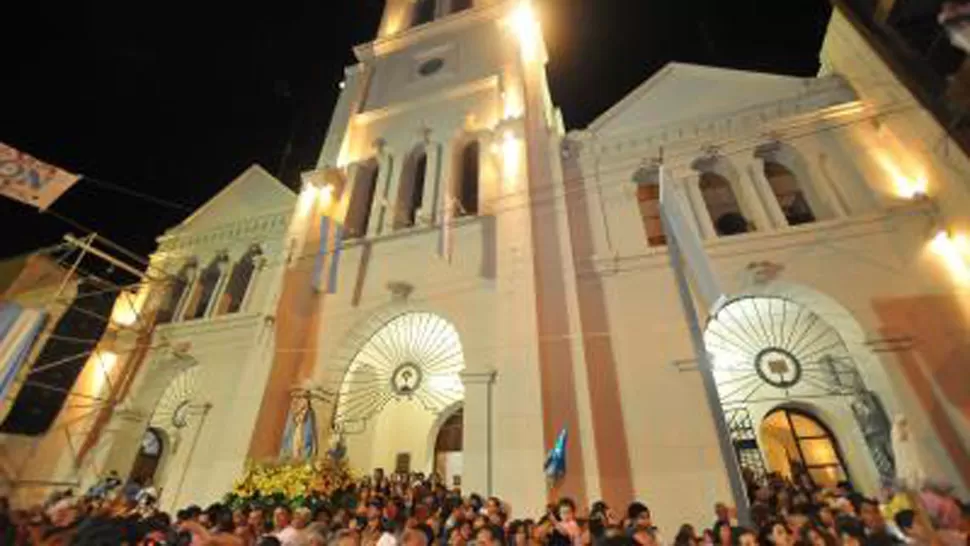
(518,534)
(745,537)
(813,535)
(686,536)
(776,533)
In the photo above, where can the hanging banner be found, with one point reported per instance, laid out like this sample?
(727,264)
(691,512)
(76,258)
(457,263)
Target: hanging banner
(19,328)
(28,180)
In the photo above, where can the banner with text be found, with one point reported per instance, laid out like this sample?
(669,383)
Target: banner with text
(31,181)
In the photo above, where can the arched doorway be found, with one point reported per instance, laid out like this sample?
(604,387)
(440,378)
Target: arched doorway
(769,352)
(400,384)
(149,456)
(796,443)
(448,450)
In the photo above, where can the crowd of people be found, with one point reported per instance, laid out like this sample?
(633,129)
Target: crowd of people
(412,510)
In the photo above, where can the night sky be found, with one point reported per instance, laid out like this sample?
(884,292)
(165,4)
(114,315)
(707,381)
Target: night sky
(175,99)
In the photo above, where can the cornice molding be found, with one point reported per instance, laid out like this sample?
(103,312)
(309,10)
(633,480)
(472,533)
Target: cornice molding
(242,229)
(831,100)
(175,331)
(764,241)
(412,36)
(487,83)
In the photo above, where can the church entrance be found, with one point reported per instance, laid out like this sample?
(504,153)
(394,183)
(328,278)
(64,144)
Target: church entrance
(448,450)
(796,443)
(394,401)
(149,456)
(780,367)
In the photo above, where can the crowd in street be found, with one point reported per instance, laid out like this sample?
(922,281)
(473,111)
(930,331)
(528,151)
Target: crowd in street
(412,510)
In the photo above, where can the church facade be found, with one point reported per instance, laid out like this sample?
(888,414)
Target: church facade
(461,278)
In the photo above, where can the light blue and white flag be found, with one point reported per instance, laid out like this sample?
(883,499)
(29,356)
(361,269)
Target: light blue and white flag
(555,466)
(327,261)
(19,328)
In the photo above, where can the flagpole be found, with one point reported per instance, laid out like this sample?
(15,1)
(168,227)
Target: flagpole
(728,455)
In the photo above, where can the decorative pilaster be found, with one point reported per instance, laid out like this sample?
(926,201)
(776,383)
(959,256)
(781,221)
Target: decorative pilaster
(429,211)
(753,204)
(220,288)
(477,445)
(755,168)
(705,224)
(380,211)
(260,265)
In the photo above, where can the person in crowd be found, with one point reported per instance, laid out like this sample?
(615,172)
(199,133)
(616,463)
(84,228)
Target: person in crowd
(640,524)
(723,534)
(876,527)
(776,533)
(722,514)
(746,537)
(284,530)
(416,510)
(686,536)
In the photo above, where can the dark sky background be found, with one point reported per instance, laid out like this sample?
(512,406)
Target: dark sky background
(175,99)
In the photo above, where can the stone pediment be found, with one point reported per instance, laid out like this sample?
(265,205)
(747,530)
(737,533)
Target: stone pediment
(680,92)
(253,193)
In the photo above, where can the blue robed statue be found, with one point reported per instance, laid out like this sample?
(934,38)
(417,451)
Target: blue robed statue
(300,434)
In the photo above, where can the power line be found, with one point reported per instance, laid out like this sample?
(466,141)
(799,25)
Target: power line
(134,193)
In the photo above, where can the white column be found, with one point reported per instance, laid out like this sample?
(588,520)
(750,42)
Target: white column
(347,193)
(752,204)
(187,295)
(219,288)
(257,272)
(477,459)
(755,167)
(822,184)
(705,224)
(428,212)
(382,206)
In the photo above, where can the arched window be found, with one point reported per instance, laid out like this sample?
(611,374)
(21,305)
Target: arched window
(205,289)
(468,192)
(176,290)
(448,449)
(648,195)
(411,194)
(149,456)
(362,200)
(784,184)
(797,443)
(460,5)
(723,205)
(239,281)
(424,12)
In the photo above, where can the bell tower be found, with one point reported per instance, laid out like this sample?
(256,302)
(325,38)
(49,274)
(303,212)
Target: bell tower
(445,144)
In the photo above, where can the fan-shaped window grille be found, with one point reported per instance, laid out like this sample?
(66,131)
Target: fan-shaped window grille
(414,356)
(770,348)
(179,404)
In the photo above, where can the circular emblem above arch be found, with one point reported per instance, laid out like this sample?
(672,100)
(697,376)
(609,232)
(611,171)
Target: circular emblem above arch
(771,348)
(179,404)
(769,352)
(414,356)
